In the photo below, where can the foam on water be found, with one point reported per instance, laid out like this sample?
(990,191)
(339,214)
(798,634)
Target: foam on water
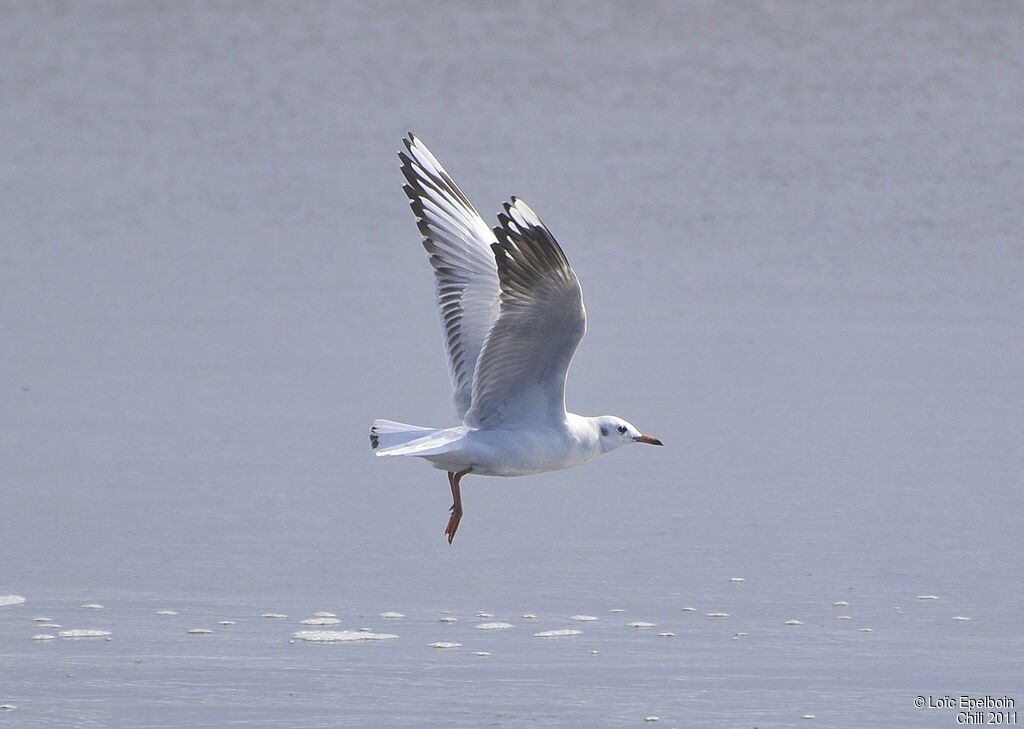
(927,597)
(225,622)
(557,633)
(166,612)
(794,622)
(736,579)
(7,707)
(867,630)
(42,620)
(651,718)
(481,653)
(447,619)
(843,617)
(445,644)
(667,635)
(199,631)
(274,616)
(43,636)
(641,624)
(617,610)
(529,616)
(320,621)
(718,615)
(583,618)
(494,626)
(339,636)
(689,609)
(841,603)
(324,614)
(11,600)
(92,606)
(49,626)
(484,615)
(392,615)
(961,618)
(83,633)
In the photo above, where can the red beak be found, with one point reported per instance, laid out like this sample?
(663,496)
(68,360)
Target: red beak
(649,440)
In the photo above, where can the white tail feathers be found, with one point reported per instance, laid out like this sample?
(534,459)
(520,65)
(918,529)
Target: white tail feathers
(389,438)
(386,434)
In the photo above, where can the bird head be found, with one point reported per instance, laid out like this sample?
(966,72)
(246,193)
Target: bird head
(614,432)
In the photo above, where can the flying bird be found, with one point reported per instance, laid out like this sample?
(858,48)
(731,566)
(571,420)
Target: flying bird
(512,312)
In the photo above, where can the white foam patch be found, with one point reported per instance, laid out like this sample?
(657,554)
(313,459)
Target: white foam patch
(667,635)
(485,615)
(616,610)
(961,618)
(807,716)
(7,707)
(92,606)
(448,619)
(736,579)
(689,609)
(320,621)
(11,600)
(841,603)
(641,624)
(651,718)
(339,636)
(49,626)
(42,620)
(843,617)
(583,618)
(166,612)
(392,615)
(445,644)
(274,616)
(557,633)
(226,622)
(481,653)
(43,636)
(794,622)
(927,597)
(83,633)
(199,631)
(529,616)
(718,615)
(494,626)
(867,630)
(324,614)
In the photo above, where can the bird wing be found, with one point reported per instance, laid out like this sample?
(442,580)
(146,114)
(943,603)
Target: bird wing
(520,377)
(459,243)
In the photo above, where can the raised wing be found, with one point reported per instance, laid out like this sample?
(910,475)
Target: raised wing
(459,243)
(521,373)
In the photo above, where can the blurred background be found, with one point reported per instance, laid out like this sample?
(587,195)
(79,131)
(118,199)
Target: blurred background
(799,233)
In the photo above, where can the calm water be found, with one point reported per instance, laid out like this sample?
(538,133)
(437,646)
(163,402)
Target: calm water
(798,230)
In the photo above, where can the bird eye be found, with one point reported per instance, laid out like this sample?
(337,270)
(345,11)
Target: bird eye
(622,429)
(604,431)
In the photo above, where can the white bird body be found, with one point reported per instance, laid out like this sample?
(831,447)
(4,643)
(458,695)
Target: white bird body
(506,451)
(513,315)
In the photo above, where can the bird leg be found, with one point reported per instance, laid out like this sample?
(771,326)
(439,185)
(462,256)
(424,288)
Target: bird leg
(456,510)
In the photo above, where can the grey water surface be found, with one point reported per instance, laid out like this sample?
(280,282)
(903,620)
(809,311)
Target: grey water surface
(798,227)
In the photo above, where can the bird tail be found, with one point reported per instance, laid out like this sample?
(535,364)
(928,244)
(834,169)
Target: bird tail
(388,438)
(385,434)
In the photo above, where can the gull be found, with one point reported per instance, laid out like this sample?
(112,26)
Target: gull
(512,313)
